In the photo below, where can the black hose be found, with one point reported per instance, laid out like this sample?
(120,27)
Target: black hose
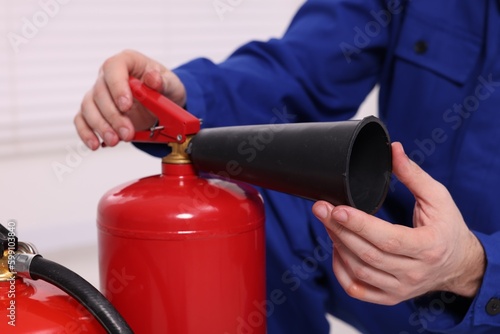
(77,287)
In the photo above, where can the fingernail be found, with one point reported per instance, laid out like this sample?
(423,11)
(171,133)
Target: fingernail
(123,133)
(321,211)
(90,144)
(123,103)
(340,215)
(403,151)
(109,138)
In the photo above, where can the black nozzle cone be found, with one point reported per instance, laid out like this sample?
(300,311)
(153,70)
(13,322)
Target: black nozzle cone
(345,162)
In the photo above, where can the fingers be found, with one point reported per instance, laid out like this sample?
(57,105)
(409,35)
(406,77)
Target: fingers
(173,88)
(85,132)
(90,120)
(122,127)
(115,73)
(152,77)
(365,271)
(373,256)
(101,109)
(421,184)
(387,237)
(360,271)
(108,110)
(355,287)
(166,82)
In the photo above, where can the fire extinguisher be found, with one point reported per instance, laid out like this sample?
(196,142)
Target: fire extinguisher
(178,252)
(41,296)
(184,251)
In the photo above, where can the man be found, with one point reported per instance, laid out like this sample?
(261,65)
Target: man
(429,261)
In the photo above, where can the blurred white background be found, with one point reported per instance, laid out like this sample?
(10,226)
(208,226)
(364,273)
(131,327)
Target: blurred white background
(50,52)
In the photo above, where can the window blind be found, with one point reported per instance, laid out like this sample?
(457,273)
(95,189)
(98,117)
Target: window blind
(51,50)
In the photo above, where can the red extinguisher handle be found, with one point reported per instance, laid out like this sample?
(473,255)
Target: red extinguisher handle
(174,123)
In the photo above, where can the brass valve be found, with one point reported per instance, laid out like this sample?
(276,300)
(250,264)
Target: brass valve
(178,154)
(9,247)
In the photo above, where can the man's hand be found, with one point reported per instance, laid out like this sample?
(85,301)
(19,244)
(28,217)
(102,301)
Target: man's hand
(108,109)
(383,263)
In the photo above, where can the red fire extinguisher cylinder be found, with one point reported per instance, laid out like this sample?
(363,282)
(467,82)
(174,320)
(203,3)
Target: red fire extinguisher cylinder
(183,254)
(178,252)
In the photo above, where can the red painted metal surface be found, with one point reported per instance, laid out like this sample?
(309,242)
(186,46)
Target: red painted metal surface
(183,254)
(41,308)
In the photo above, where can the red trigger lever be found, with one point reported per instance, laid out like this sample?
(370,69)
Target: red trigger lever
(174,123)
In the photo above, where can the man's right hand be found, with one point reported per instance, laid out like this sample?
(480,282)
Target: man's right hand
(109,111)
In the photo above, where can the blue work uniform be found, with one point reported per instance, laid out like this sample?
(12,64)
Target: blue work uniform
(438,67)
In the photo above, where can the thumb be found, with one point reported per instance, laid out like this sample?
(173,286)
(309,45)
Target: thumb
(152,78)
(421,184)
(173,88)
(165,82)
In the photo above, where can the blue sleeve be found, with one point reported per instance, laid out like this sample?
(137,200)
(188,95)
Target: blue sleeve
(320,70)
(442,312)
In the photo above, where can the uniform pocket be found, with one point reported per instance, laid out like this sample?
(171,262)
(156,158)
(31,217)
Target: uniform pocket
(448,53)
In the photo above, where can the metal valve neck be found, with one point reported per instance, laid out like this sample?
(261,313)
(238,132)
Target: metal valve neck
(8,261)
(178,156)
(178,162)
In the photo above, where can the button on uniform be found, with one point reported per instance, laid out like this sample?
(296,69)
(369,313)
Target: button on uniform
(493,306)
(420,47)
